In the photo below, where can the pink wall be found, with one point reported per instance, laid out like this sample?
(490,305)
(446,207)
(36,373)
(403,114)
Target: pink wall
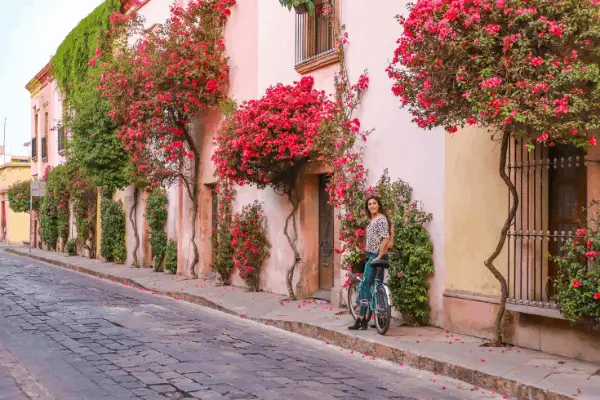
(260,39)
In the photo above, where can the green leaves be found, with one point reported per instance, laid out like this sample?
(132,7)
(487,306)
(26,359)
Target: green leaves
(18,197)
(113,231)
(156,215)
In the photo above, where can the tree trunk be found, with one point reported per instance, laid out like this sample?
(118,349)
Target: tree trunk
(489,263)
(295,201)
(133,220)
(194,197)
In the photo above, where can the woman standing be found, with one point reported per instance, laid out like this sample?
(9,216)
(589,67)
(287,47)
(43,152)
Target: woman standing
(378,238)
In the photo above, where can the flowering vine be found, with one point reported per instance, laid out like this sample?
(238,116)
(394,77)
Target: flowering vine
(222,236)
(157,87)
(578,281)
(250,243)
(520,68)
(18,197)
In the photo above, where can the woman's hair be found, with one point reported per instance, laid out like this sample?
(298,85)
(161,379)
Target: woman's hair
(381,209)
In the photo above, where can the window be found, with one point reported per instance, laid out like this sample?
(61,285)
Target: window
(46,124)
(315,41)
(44,148)
(34,148)
(60,138)
(35,135)
(553,195)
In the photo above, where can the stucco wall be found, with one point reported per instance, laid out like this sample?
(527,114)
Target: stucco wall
(476,205)
(17,224)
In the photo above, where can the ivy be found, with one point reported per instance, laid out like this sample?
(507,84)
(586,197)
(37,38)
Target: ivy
(70,63)
(222,237)
(49,221)
(156,215)
(113,231)
(411,257)
(171,257)
(55,211)
(18,197)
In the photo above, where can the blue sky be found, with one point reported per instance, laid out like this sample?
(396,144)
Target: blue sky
(30,32)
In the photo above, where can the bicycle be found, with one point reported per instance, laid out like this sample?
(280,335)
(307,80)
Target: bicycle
(379,303)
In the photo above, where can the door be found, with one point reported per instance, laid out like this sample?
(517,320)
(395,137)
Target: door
(568,198)
(326,246)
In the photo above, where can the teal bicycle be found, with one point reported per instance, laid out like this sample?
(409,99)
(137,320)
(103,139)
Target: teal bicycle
(379,303)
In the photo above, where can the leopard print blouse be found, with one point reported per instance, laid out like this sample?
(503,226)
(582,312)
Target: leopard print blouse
(377,230)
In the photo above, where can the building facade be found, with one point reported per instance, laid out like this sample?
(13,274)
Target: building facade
(14,227)
(455,177)
(47,148)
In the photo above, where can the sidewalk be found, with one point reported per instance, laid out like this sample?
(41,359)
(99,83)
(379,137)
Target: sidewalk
(525,374)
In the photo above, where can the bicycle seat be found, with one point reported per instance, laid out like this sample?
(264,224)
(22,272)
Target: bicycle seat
(383,263)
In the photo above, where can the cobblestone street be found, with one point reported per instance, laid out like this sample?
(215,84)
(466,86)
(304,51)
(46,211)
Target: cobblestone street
(67,336)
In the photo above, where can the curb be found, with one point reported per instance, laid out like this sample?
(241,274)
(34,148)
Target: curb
(394,354)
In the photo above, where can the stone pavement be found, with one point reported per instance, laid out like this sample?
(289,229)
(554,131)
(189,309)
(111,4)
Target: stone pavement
(67,336)
(523,373)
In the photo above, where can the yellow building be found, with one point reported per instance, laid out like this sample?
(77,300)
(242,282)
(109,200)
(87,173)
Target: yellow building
(14,227)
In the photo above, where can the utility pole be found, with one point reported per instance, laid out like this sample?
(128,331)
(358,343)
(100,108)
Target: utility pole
(4,142)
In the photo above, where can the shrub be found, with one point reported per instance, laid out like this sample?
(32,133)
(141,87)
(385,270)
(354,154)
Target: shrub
(250,243)
(156,215)
(72,247)
(171,257)
(113,231)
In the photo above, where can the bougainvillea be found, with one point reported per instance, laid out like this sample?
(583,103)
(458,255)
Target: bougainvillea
(266,142)
(18,197)
(519,68)
(529,67)
(250,243)
(221,237)
(578,281)
(159,85)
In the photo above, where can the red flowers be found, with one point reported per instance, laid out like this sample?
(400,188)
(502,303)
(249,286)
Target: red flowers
(156,87)
(576,284)
(493,68)
(265,137)
(597,296)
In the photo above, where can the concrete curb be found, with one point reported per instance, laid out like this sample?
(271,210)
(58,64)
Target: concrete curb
(466,374)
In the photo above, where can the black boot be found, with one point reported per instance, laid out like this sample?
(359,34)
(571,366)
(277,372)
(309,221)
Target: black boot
(360,323)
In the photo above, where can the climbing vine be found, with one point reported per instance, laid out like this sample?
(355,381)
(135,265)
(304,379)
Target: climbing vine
(578,281)
(156,215)
(171,257)
(18,197)
(411,257)
(113,246)
(55,210)
(222,238)
(250,243)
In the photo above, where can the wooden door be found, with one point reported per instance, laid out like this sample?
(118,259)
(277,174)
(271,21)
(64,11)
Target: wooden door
(326,245)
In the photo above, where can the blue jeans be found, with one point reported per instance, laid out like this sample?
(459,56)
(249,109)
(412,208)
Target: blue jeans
(364,289)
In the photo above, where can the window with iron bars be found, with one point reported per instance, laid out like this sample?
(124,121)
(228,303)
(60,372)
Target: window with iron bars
(34,148)
(60,138)
(314,36)
(44,148)
(552,185)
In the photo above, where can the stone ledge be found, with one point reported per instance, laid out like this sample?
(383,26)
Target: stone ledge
(466,374)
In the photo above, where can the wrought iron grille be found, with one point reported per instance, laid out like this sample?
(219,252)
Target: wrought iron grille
(552,188)
(44,147)
(60,138)
(314,36)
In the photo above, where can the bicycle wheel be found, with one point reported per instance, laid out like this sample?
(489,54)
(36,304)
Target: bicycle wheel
(383,310)
(353,305)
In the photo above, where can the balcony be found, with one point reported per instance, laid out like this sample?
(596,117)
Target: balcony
(44,148)
(34,148)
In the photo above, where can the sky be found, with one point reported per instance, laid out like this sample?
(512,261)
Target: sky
(30,33)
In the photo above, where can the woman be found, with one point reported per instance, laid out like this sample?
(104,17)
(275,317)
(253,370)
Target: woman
(378,241)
